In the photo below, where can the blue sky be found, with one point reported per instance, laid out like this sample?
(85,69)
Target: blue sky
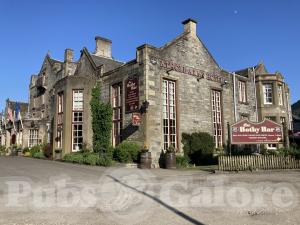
(238,33)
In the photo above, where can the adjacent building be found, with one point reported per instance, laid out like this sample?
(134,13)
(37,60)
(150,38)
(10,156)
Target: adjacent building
(174,89)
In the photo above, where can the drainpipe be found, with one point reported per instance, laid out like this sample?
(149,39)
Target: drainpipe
(256,108)
(234,97)
(255,94)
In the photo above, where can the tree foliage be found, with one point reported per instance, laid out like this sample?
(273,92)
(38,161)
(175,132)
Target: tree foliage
(101,121)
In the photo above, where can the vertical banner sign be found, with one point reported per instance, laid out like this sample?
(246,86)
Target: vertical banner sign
(131,94)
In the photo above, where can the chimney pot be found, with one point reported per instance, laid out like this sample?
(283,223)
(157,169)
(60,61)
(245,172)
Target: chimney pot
(69,55)
(103,47)
(190,26)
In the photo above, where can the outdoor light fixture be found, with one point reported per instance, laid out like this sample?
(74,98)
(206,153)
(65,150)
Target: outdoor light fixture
(225,83)
(144,107)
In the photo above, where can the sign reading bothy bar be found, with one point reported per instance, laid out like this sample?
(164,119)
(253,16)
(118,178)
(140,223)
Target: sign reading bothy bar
(246,132)
(132,94)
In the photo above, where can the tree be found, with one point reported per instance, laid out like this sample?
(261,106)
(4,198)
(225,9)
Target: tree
(101,121)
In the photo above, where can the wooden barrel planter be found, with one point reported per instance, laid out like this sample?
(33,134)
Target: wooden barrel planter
(170,160)
(145,160)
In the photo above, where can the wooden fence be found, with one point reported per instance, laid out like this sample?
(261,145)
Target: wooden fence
(235,163)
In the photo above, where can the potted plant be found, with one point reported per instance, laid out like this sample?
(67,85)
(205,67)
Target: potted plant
(170,158)
(145,158)
(58,154)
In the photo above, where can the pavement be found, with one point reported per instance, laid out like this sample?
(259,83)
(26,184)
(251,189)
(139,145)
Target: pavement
(42,192)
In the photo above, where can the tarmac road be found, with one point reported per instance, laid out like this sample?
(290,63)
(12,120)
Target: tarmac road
(37,192)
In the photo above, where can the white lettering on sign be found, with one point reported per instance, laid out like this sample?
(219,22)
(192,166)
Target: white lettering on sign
(247,128)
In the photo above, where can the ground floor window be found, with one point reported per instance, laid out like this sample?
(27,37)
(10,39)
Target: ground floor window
(59,137)
(77,137)
(217,118)
(272,146)
(169,114)
(33,137)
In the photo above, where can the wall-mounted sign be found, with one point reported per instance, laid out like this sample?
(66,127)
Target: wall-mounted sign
(246,132)
(136,119)
(131,94)
(170,65)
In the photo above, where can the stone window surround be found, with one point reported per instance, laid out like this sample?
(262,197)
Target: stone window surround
(245,92)
(264,84)
(120,107)
(168,106)
(212,89)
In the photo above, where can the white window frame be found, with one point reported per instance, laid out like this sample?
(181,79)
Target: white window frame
(272,146)
(117,105)
(242,91)
(59,122)
(33,137)
(268,93)
(78,100)
(280,95)
(169,114)
(77,120)
(217,118)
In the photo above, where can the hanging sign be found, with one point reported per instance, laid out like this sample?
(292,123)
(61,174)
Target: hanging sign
(136,119)
(246,132)
(132,94)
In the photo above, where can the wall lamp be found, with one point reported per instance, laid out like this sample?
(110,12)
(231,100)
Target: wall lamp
(144,107)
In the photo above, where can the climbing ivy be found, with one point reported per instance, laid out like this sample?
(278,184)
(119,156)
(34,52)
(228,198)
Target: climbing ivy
(101,121)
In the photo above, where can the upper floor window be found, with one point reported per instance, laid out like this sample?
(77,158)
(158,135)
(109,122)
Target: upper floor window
(60,102)
(280,95)
(268,93)
(242,91)
(77,100)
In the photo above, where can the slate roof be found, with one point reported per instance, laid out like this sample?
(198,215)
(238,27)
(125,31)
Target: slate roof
(23,106)
(108,64)
(259,69)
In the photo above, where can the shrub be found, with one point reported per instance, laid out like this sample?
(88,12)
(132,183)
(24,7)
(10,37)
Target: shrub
(127,152)
(198,147)
(74,157)
(2,150)
(26,150)
(91,158)
(182,161)
(104,160)
(35,149)
(39,155)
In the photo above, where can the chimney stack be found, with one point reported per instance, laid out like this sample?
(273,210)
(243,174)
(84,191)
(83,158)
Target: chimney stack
(68,55)
(190,26)
(103,47)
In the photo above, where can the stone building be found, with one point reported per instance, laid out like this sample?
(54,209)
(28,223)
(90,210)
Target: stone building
(272,96)
(174,89)
(12,123)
